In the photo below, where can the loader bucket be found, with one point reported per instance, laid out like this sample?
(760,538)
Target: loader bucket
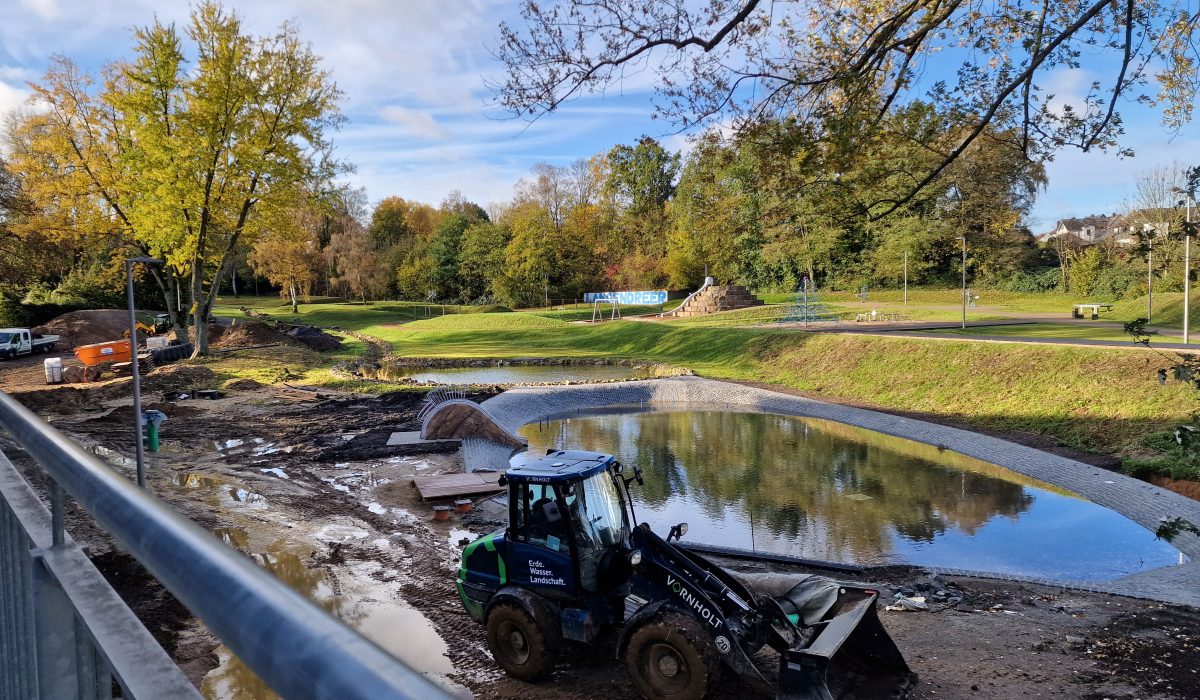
(851,656)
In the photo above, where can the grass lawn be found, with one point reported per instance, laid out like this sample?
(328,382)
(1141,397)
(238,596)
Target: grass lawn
(1064,331)
(927,296)
(583,312)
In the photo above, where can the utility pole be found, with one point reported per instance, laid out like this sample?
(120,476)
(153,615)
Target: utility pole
(963,238)
(133,365)
(906,278)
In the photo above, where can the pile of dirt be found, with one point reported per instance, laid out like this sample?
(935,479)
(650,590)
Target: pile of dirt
(245,335)
(314,338)
(243,384)
(86,327)
(178,378)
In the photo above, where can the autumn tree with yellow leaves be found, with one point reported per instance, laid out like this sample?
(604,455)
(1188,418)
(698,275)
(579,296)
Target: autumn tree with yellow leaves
(184,159)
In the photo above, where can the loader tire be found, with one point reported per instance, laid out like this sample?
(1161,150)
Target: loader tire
(518,643)
(672,656)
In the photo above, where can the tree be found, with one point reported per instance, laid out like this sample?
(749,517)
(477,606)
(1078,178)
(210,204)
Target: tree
(445,251)
(641,177)
(529,257)
(389,223)
(840,68)
(550,188)
(187,162)
(287,259)
(1153,216)
(481,258)
(358,266)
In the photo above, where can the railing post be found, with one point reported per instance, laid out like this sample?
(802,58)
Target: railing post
(56,514)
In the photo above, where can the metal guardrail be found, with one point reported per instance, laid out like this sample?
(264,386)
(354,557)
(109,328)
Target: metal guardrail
(294,646)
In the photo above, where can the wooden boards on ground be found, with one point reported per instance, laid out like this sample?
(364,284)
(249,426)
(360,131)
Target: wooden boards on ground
(449,485)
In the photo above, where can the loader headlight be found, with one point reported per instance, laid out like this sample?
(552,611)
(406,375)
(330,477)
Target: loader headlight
(635,557)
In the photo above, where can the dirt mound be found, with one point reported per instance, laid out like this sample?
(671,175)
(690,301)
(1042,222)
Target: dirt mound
(178,378)
(59,399)
(86,327)
(314,338)
(243,384)
(246,334)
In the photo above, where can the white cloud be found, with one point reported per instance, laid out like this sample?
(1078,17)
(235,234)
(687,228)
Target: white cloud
(417,122)
(1066,87)
(46,9)
(11,97)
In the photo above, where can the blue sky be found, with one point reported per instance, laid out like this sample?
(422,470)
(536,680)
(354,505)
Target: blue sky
(419,125)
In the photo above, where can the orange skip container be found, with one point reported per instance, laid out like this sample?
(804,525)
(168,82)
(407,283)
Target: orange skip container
(112,351)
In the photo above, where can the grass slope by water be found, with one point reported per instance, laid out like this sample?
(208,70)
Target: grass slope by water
(1094,399)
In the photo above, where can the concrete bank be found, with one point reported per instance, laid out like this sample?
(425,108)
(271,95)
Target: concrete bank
(1144,503)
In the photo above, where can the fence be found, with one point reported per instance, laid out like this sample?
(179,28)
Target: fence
(64,633)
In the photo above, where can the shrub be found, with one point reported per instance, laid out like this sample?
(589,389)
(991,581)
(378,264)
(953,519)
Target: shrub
(1044,279)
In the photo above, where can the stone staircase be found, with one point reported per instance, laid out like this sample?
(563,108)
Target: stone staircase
(714,298)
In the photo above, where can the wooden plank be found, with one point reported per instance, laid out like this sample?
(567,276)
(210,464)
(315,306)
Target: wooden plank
(449,485)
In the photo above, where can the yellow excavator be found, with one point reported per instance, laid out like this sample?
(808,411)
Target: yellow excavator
(162,324)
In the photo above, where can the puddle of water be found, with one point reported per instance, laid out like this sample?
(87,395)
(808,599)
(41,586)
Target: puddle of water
(112,456)
(409,636)
(457,535)
(514,375)
(219,490)
(824,490)
(235,537)
(399,629)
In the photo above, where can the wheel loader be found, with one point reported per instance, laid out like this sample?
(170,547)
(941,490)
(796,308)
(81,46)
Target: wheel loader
(574,561)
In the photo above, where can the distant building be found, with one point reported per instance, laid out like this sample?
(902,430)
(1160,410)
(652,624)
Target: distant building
(1121,230)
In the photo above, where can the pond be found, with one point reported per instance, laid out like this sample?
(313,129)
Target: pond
(520,374)
(823,490)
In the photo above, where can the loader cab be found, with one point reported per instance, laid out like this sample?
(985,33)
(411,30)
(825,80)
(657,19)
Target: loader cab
(568,523)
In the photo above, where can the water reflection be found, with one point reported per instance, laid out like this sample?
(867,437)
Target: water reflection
(402,631)
(824,490)
(219,490)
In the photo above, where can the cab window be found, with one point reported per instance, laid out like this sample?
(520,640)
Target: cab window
(539,521)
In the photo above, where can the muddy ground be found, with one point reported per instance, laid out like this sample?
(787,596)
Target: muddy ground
(311,492)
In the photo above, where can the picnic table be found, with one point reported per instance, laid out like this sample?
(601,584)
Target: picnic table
(1077,311)
(875,316)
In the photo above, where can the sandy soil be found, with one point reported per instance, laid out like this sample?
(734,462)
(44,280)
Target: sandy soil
(310,493)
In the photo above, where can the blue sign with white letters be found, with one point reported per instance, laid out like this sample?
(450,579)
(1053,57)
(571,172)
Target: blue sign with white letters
(646,298)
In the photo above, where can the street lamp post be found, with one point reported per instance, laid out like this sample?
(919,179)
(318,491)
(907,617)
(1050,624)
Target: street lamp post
(1150,278)
(133,364)
(963,238)
(1187,262)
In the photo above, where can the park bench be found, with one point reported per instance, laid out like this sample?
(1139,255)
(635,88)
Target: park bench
(1077,311)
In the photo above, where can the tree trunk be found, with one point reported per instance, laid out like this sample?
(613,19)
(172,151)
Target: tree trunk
(199,318)
(233,281)
(292,293)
